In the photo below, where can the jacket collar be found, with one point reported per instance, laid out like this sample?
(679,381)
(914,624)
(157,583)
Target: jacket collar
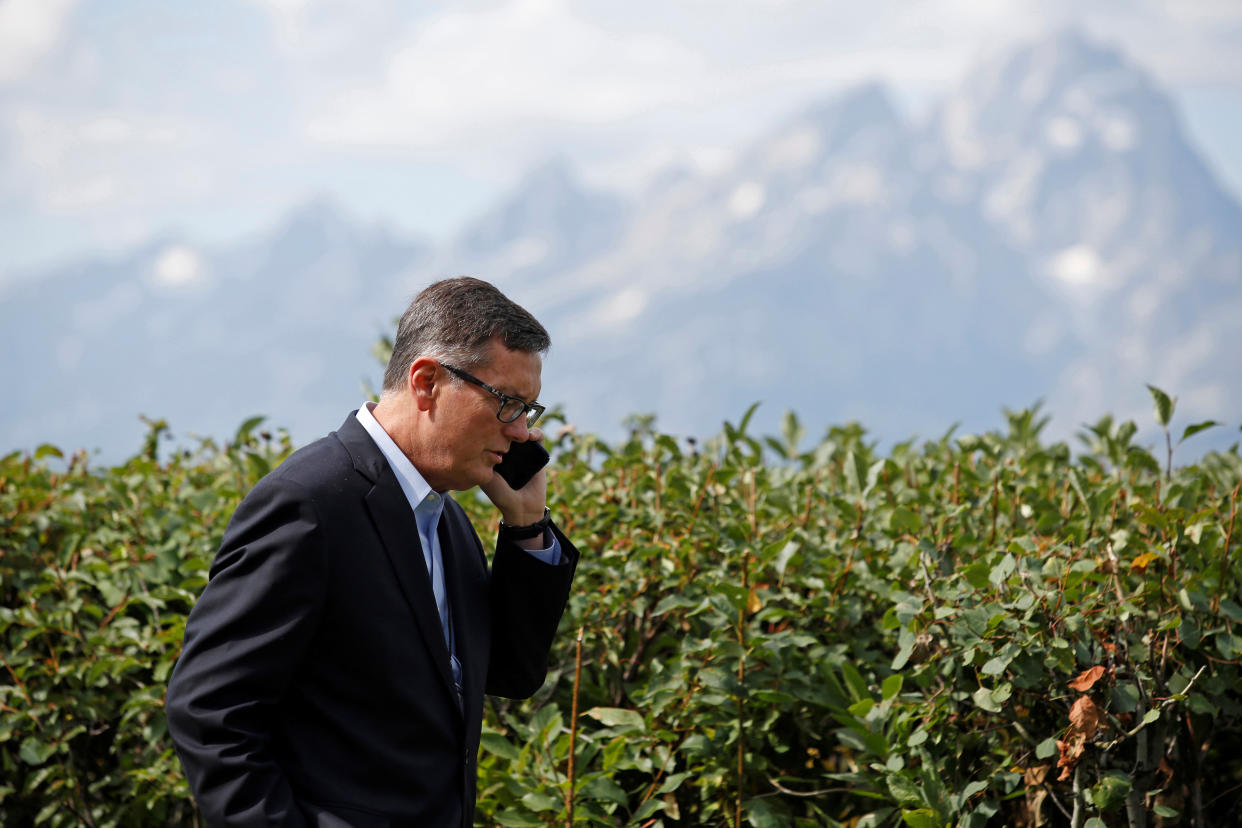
(395,523)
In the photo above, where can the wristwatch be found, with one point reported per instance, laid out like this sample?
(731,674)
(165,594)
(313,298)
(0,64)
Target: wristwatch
(531,530)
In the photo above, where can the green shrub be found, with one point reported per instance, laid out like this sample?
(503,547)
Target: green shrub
(98,570)
(975,630)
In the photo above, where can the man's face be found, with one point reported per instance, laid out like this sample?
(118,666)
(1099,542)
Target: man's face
(469,439)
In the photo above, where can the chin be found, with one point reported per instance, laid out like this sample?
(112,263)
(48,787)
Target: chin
(486,476)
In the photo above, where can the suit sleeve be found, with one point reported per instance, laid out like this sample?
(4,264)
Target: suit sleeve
(244,640)
(527,598)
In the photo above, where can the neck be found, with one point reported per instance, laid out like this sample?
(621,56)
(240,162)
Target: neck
(395,416)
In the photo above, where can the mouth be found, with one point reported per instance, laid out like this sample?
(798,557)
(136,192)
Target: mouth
(496,454)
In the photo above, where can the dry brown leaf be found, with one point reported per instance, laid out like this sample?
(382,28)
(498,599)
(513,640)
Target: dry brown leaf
(1084,719)
(1035,776)
(1069,753)
(753,604)
(1085,716)
(1035,797)
(1086,679)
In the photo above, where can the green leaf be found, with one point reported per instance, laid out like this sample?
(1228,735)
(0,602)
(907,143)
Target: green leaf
(651,805)
(862,708)
(854,680)
(601,787)
(890,687)
(762,813)
(243,431)
(617,717)
(672,602)
(498,745)
(1110,792)
(1125,698)
(1192,430)
(983,698)
(784,556)
(978,575)
(904,790)
(903,654)
(35,751)
(905,520)
(750,412)
(1230,646)
(673,782)
(791,431)
(1047,748)
(541,802)
(514,819)
(970,790)
(1164,405)
(47,450)
(995,666)
(921,818)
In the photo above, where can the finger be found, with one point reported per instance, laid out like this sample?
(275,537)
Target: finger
(536,434)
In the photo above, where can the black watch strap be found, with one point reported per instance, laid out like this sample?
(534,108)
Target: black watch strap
(532,530)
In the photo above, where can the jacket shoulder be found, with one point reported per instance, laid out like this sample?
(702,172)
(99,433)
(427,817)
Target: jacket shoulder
(322,469)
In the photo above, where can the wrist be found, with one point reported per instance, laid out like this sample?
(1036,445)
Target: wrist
(526,531)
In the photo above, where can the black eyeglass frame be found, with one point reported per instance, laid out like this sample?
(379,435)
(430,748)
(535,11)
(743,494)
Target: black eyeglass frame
(532,410)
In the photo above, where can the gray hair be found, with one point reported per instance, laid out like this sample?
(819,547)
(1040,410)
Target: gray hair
(453,320)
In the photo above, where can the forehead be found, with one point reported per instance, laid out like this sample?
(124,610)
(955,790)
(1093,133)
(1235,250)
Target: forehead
(513,372)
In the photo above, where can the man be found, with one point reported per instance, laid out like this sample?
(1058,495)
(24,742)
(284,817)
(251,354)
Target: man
(334,668)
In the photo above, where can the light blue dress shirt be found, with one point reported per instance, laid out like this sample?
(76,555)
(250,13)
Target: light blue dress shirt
(428,505)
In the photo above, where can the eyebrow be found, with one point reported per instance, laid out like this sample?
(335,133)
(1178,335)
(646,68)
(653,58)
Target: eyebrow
(508,389)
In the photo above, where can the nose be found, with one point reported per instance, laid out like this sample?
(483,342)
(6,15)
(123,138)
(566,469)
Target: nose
(517,431)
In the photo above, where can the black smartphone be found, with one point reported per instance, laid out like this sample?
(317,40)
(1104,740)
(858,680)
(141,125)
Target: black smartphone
(521,462)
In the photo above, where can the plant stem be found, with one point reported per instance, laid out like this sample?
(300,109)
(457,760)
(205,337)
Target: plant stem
(573,732)
(995,508)
(1224,558)
(1168,441)
(741,674)
(1077,817)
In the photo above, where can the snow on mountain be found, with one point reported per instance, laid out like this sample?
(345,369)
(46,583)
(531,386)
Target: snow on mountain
(820,273)
(1079,161)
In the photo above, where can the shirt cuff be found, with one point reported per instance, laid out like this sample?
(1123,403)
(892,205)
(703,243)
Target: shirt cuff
(551,555)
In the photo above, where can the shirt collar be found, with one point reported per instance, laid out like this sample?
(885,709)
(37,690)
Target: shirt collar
(425,502)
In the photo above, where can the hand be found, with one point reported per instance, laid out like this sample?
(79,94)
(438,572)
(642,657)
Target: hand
(523,506)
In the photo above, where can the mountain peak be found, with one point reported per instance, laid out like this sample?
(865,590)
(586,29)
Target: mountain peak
(851,110)
(1064,92)
(546,204)
(867,101)
(554,173)
(320,214)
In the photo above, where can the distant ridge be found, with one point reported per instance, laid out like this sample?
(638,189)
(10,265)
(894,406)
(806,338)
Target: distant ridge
(1048,233)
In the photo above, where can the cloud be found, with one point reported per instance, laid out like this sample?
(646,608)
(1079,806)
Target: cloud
(29,29)
(101,120)
(176,266)
(77,161)
(467,75)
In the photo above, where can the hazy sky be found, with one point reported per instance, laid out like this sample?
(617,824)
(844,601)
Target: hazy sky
(123,119)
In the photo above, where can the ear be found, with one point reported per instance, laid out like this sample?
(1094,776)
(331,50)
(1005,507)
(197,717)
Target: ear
(423,383)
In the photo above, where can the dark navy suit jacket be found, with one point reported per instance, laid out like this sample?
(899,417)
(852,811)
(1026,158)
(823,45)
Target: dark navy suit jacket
(314,685)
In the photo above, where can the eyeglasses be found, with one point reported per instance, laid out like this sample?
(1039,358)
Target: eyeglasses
(510,407)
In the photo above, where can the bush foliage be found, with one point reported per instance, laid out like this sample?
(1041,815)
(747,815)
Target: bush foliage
(978,630)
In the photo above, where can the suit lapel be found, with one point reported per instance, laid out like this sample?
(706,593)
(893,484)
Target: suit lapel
(398,531)
(465,575)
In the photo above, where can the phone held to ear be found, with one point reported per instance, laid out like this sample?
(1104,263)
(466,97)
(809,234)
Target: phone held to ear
(521,462)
